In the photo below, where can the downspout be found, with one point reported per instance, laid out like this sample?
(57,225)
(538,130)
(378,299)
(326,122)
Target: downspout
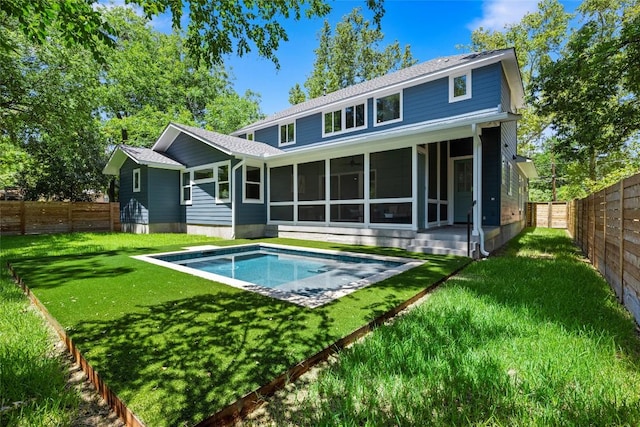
(233,197)
(477,146)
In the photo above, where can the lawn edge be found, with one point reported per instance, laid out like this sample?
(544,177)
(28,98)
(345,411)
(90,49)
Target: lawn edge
(241,408)
(113,401)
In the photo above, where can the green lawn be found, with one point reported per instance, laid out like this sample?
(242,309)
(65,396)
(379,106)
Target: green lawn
(531,337)
(177,348)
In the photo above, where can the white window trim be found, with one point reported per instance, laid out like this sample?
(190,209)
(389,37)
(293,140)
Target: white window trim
(136,188)
(343,113)
(375,108)
(205,180)
(184,201)
(245,182)
(467,94)
(216,168)
(295,134)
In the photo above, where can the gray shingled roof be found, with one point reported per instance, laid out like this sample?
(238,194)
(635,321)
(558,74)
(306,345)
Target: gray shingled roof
(403,75)
(229,143)
(148,156)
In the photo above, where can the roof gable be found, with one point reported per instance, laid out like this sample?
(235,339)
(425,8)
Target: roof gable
(141,156)
(227,144)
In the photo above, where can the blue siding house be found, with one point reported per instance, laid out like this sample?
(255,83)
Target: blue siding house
(401,160)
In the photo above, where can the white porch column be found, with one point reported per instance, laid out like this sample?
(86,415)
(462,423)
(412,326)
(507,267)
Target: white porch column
(477,178)
(414,188)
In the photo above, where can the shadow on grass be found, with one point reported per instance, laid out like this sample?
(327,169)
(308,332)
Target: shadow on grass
(202,352)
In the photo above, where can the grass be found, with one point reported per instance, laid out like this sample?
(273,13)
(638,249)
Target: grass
(177,348)
(531,337)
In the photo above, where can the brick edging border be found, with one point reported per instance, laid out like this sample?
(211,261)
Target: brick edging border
(236,411)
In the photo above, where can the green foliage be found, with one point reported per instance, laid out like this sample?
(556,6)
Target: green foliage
(537,38)
(349,56)
(532,337)
(229,112)
(177,347)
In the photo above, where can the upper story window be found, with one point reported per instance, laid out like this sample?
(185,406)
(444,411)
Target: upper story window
(250,136)
(136,180)
(460,87)
(344,120)
(287,134)
(388,108)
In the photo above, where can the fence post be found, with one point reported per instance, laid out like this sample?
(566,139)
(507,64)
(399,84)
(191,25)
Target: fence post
(23,220)
(111,224)
(70,217)
(621,262)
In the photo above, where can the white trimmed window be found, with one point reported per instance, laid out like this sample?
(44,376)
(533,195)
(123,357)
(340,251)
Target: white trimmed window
(185,188)
(203,175)
(252,191)
(345,119)
(388,109)
(136,180)
(222,182)
(287,134)
(460,87)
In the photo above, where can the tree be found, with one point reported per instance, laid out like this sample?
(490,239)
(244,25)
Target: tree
(350,56)
(537,38)
(230,112)
(215,27)
(587,92)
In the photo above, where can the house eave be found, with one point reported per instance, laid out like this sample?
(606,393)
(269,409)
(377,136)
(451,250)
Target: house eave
(527,167)
(171,132)
(479,117)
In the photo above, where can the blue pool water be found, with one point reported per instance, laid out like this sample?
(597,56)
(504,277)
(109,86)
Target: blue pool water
(305,277)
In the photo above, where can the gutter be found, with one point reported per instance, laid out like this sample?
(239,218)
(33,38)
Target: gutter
(477,143)
(233,197)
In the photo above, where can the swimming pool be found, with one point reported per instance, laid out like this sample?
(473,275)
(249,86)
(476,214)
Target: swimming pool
(306,277)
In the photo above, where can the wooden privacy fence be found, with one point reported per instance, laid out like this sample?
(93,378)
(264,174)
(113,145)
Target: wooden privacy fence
(606,225)
(19,217)
(547,215)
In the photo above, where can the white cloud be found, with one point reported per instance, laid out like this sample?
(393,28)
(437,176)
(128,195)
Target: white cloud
(498,13)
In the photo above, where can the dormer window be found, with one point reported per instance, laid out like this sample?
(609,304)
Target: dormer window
(287,134)
(250,136)
(344,120)
(388,109)
(460,87)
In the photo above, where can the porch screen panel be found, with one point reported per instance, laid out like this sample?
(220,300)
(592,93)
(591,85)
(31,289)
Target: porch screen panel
(444,162)
(347,213)
(281,184)
(394,213)
(347,178)
(281,213)
(311,182)
(314,213)
(433,171)
(392,174)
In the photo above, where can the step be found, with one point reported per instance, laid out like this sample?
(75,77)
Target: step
(439,250)
(454,244)
(442,236)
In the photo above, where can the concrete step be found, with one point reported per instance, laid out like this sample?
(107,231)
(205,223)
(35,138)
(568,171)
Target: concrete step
(453,244)
(458,237)
(439,250)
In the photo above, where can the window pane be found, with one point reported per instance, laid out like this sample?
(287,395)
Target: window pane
(444,163)
(392,173)
(328,123)
(432,212)
(395,213)
(360,119)
(186,193)
(281,185)
(433,171)
(337,121)
(281,213)
(311,213)
(388,108)
(347,178)
(290,133)
(283,134)
(443,212)
(203,174)
(224,191)
(349,117)
(250,137)
(186,177)
(253,174)
(252,191)
(460,86)
(347,213)
(223,173)
(311,181)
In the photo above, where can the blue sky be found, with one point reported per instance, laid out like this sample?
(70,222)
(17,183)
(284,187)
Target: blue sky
(432,28)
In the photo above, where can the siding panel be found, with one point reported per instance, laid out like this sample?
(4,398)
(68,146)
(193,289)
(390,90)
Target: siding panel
(164,197)
(250,213)
(491,176)
(505,95)
(510,210)
(192,152)
(204,210)
(134,207)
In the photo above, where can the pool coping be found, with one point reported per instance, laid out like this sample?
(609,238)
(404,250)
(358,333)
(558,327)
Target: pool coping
(304,301)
